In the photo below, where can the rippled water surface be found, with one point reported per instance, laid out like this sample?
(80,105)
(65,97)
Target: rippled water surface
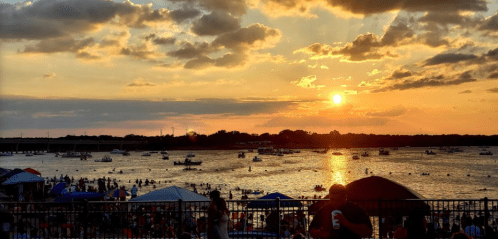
(294,174)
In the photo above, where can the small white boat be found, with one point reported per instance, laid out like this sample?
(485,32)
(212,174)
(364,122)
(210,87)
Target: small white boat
(117,151)
(106,158)
(257,159)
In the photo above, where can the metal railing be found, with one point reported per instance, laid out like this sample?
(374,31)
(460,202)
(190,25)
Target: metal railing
(248,218)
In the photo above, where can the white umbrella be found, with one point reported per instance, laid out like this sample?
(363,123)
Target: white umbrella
(23,178)
(172,194)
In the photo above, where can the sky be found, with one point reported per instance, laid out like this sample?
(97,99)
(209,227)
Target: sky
(102,67)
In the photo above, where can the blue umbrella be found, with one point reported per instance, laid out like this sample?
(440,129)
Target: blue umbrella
(272,203)
(79,196)
(57,189)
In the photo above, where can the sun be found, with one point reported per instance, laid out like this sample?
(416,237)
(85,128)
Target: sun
(337,99)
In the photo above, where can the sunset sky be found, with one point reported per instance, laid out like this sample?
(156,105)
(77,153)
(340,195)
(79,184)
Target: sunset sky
(95,67)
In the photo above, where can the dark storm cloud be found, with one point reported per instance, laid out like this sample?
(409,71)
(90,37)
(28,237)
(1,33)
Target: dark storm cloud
(22,113)
(449,58)
(215,23)
(54,18)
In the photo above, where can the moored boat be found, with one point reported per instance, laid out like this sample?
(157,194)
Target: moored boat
(105,159)
(257,159)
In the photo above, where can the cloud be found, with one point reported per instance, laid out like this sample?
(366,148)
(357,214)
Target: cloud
(190,50)
(254,36)
(465,92)
(54,18)
(215,23)
(181,15)
(160,40)
(50,75)
(374,72)
(393,112)
(318,121)
(434,81)
(367,7)
(64,44)
(493,90)
(400,74)
(140,83)
(234,7)
(493,75)
(29,113)
(307,82)
(449,58)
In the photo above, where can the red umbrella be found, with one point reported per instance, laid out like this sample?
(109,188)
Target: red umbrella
(30,170)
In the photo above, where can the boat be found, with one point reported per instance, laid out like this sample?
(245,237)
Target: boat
(146,154)
(166,157)
(29,154)
(257,159)
(71,155)
(382,151)
(5,154)
(365,154)
(356,157)
(241,154)
(485,153)
(86,154)
(188,162)
(153,152)
(126,153)
(266,151)
(39,153)
(430,152)
(189,155)
(321,151)
(164,152)
(337,153)
(117,151)
(105,159)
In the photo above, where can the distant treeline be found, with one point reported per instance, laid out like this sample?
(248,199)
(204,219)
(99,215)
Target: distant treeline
(285,139)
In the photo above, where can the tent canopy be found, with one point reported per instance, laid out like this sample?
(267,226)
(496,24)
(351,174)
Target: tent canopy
(13,172)
(57,189)
(115,192)
(30,170)
(172,193)
(270,204)
(23,178)
(79,196)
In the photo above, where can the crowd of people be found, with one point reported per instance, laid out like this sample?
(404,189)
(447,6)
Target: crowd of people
(338,219)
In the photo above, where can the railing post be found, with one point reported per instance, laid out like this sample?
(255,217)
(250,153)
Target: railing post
(380,219)
(180,217)
(85,219)
(486,214)
(277,200)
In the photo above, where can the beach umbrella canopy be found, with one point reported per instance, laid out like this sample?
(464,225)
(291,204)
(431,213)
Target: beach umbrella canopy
(74,196)
(23,178)
(57,189)
(170,194)
(115,192)
(13,172)
(268,201)
(30,170)
(379,195)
